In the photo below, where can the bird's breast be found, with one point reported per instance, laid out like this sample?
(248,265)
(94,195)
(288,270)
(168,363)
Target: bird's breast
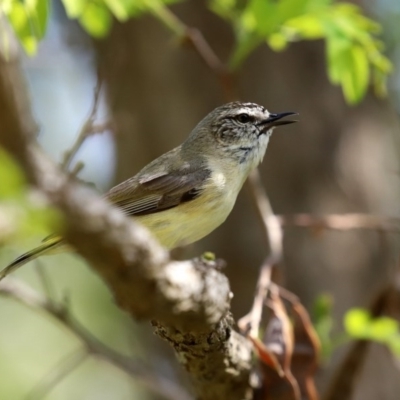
(193,220)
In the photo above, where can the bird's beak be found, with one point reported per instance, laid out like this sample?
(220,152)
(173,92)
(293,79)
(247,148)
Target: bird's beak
(275,120)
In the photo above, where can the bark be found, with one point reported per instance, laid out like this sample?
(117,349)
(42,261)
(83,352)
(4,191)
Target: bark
(335,160)
(190,300)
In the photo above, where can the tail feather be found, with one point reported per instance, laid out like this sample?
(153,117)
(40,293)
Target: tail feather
(48,246)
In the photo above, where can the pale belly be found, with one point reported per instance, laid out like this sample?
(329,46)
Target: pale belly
(190,221)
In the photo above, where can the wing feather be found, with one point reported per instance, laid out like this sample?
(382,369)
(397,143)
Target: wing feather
(147,192)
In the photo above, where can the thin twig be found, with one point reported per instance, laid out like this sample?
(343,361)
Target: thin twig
(271,223)
(207,54)
(274,236)
(343,222)
(195,317)
(26,295)
(250,323)
(195,38)
(88,128)
(100,128)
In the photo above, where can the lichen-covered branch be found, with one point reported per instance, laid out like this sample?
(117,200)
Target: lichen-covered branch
(189,299)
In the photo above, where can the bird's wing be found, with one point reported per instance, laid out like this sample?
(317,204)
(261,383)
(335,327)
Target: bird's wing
(149,192)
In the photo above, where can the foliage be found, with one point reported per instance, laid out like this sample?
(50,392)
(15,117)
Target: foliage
(323,323)
(354,54)
(359,324)
(21,215)
(96,16)
(29,20)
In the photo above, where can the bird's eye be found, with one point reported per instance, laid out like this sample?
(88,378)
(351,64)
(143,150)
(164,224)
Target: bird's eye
(244,118)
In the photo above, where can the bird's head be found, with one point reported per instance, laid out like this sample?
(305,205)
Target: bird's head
(239,131)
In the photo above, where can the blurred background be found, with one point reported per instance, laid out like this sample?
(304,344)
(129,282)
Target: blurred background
(338,159)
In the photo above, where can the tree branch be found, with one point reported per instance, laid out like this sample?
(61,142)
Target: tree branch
(189,299)
(341,222)
(88,128)
(273,229)
(274,236)
(194,37)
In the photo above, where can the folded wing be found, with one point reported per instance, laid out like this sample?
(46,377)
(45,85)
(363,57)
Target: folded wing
(153,192)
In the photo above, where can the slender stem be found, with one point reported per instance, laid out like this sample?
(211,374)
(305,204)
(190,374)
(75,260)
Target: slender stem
(271,223)
(274,236)
(195,38)
(342,222)
(168,18)
(88,128)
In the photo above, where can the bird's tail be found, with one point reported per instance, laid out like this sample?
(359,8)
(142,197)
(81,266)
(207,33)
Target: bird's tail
(49,245)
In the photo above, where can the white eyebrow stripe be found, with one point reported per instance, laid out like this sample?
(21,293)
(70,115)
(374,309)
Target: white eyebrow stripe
(250,111)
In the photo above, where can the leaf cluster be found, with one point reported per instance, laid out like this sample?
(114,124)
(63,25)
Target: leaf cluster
(359,324)
(354,54)
(29,20)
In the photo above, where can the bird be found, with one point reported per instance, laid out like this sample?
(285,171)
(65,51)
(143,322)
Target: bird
(186,193)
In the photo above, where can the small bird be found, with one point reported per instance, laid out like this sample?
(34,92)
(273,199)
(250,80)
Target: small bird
(188,192)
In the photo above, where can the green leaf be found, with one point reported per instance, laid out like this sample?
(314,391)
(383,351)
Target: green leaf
(28,20)
(42,11)
(19,20)
(379,82)
(6,6)
(323,323)
(38,14)
(262,16)
(20,215)
(246,44)
(354,54)
(322,307)
(306,26)
(357,323)
(394,345)
(383,329)
(74,8)
(96,19)
(11,177)
(288,9)
(120,8)
(336,48)
(226,9)
(277,41)
(354,74)
(360,73)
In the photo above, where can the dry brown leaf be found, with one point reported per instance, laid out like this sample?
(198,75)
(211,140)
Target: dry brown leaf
(305,353)
(278,340)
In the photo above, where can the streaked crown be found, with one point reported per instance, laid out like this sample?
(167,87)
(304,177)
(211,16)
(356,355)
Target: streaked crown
(241,130)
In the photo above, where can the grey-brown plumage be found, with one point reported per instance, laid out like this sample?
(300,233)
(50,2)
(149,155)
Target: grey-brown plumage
(186,193)
(160,185)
